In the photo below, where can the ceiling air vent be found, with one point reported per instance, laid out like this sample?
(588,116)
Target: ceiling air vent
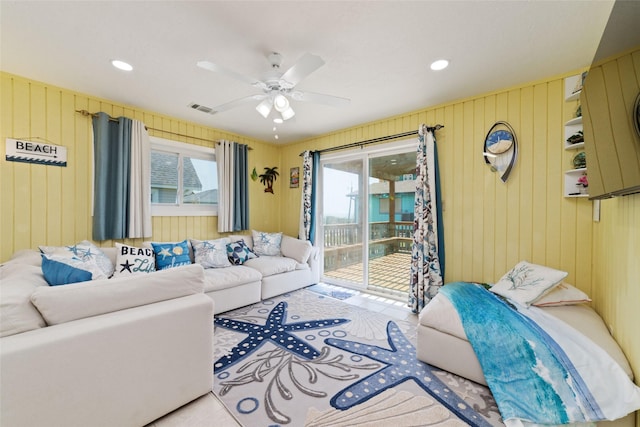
(202,108)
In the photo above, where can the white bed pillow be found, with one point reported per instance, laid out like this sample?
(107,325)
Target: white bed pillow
(526,283)
(563,294)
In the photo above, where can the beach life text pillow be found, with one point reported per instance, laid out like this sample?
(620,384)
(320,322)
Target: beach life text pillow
(169,255)
(526,283)
(132,260)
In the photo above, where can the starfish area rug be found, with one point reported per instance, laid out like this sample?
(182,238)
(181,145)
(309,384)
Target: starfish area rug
(304,359)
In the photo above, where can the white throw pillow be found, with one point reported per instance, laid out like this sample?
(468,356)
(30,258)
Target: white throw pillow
(211,253)
(79,262)
(526,283)
(266,243)
(300,250)
(132,260)
(563,294)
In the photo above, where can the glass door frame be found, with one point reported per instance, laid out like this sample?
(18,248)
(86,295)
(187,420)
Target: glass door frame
(364,153)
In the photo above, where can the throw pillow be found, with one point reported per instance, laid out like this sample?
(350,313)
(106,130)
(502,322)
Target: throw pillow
(266,243)
(169,255)
(83,261)
(526,283)
(211,253)
(238,252)
(563,294)
(132,260)
(62,271)
(84,251)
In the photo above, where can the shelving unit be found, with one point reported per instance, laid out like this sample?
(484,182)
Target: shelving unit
(571,127)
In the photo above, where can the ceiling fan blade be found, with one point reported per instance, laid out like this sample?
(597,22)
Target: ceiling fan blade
(237,103)
(319,98)
(230,73)
(306,65)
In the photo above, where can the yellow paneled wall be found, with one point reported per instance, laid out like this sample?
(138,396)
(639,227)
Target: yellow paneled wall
(616,272)
(50,205)
(491,225)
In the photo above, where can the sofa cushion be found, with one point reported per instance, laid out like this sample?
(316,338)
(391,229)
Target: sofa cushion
(27,257)
(300,250)
(170,255)
(17,283)
(223,278)
(132,260)
(211,253)
(270,265)
(76,301)
(266,243)
(238,252)
(84,255)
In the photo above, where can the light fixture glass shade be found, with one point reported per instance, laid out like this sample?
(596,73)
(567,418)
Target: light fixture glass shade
(288,113)
(264,108)
(281,103)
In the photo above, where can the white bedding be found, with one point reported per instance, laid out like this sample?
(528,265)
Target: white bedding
(440,315)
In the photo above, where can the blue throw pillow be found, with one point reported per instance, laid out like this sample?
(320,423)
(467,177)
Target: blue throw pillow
(239,252)
(60,273)
(169,255)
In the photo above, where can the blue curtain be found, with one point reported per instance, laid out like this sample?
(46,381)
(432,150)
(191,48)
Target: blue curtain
(427,251)
(241,188)
(112,171)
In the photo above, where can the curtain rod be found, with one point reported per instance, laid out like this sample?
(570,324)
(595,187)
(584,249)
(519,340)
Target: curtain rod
(374,140)
(86,114)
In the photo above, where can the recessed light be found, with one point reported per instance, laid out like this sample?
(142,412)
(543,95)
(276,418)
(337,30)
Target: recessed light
(440,64)
(278,120)
(121,65)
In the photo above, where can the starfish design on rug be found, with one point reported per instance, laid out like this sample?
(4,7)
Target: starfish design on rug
(275,330)
(401,365)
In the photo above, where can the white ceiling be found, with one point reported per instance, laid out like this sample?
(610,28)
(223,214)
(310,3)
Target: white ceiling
(377,53)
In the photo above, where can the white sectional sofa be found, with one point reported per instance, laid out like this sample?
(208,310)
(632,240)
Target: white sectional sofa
(127,350)
(116,352)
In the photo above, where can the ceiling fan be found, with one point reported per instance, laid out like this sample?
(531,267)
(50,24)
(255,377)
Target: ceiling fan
(277,88)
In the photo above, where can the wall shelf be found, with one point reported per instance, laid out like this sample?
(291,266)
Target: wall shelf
(571,127)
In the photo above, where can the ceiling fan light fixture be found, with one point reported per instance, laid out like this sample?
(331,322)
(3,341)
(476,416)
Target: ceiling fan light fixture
(288,113)
(281,103)
(264,108)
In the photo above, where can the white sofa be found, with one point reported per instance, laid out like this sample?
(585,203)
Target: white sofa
(263,277)
(117,352)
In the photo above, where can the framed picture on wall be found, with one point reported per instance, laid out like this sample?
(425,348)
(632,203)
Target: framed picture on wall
(294,177)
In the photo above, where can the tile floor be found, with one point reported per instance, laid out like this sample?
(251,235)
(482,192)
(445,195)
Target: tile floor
(208,411)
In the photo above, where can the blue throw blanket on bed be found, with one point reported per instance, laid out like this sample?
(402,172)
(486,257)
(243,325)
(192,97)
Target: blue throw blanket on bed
(530,375)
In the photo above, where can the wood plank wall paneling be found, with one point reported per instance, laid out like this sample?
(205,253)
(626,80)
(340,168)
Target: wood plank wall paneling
(491,225)
(50,205)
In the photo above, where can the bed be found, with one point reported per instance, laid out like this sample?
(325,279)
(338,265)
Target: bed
(443,342)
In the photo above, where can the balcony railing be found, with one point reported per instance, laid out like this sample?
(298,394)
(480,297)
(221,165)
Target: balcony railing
(343,242)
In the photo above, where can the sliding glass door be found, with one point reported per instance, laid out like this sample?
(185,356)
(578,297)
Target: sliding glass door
(367,217)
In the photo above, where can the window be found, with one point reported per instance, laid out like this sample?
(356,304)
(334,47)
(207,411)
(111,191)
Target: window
(184,179)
